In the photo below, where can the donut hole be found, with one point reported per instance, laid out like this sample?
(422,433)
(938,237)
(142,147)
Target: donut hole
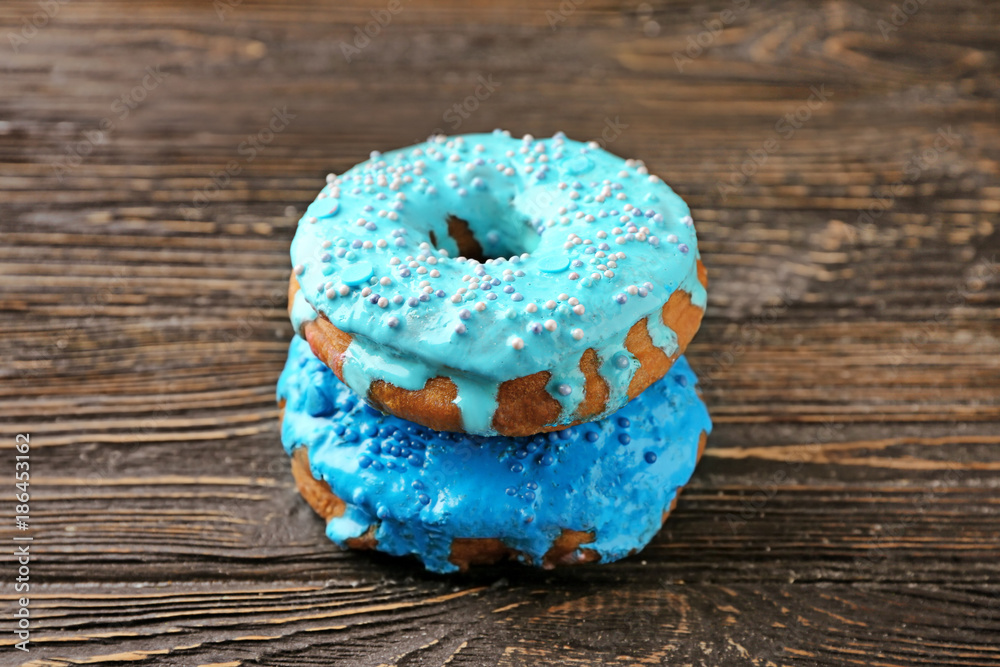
(481,244)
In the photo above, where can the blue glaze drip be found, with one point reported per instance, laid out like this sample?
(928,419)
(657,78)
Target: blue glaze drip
(614,477)
(555,212)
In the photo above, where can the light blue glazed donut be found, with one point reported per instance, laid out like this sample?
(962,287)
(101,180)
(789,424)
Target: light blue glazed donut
(582,245)
(415,491)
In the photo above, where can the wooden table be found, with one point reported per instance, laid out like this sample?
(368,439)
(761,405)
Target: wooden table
(841,160)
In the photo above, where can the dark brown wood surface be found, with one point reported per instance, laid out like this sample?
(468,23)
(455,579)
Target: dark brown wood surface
(846,510)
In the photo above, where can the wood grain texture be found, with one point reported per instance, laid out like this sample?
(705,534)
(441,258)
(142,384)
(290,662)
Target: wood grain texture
(846,510)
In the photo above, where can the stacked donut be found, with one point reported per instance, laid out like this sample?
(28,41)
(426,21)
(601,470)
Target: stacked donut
(488,354)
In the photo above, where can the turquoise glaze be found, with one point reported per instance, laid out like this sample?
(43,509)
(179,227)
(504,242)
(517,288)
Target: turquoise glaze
(585,245)
(421,488)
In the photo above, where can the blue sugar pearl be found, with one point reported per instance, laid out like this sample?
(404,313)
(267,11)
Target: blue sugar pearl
(534,327)
(395,450)
(377,465)
(529,496)
(465,313)
(520,454)
(511,491)
(370,226)
(564,389)
(516,467)
(516,296)
(417,484)
(404,451)
(382,512)
(439,293)
(424,499)
(564,434)
(392,322)
(414,460)
(364,461)
(374,298)
(491,296)
(532,485)
(495,282)
(682,381)
(508,289)
(357,243)
(650,457)
(339,428)
(531,446)
(621,298)
(351,436)
(621,361)
(486,286)
(624,422)
(425,297)
(412,301)
(591,436)
(546,459)
(624,438)
(405,273)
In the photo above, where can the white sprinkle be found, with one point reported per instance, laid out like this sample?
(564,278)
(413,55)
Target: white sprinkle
(579,309)
(455,298)
(550,304)
(602,234)
(383,302)
(577,333)
(574,275)
(331,293)
(367,245)
(531,308)
(516,342)
(381,243)
(386,280)
(435,273)
(573,301)
(344,290)
(550,325)
(632,290)
(366,291)
(480,306)
(609,274)
(299,269)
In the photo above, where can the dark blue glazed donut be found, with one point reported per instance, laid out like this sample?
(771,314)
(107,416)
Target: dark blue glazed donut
(444,497)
